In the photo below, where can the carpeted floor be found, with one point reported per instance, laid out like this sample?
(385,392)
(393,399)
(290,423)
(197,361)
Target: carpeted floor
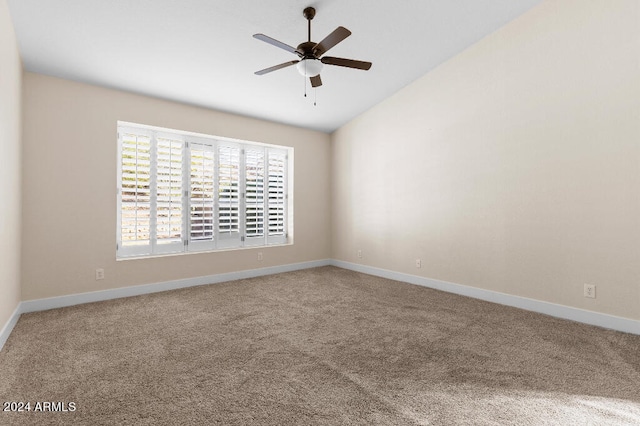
(319,346)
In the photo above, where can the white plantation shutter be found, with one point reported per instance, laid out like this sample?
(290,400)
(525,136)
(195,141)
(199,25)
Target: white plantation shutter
(180,191)
(169,192)
(254,161)
(228,196)
(135,194)
(202,197)
(277,197)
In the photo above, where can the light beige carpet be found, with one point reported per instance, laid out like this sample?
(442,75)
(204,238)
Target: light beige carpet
(320,346)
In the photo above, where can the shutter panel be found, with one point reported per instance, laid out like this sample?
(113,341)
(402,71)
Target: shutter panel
(254,197)
(228,196)
(202,197)
(135,194)
(277,197)
(169,215)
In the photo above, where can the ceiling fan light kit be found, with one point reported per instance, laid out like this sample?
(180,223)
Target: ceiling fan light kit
(309,67)
(311,54)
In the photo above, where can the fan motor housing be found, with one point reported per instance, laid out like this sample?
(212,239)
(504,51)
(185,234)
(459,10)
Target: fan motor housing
(306,49)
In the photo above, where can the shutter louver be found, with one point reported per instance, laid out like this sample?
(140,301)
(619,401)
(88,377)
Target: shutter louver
(135,193)
(202,200)
(254,199)
(277,201)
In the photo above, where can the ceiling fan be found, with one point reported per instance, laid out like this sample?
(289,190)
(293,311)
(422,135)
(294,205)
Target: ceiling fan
(310,53)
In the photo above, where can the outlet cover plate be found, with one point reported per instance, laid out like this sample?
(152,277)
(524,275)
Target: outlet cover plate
(99,274)
(590,291)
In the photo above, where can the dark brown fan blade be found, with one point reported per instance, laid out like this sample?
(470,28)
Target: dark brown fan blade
(276,43)
(331,40)
(275,67)
(316,81)
(349,63)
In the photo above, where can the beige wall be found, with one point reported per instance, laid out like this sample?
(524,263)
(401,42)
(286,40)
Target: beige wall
(10,157)
(69,217)
(513,167)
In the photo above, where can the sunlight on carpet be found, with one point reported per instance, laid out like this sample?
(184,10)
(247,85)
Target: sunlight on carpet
(491,406)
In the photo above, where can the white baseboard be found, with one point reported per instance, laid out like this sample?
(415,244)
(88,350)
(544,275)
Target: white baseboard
(560,311)
(116,293)
(8,327)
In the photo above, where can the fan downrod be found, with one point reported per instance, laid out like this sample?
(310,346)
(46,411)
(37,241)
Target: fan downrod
(309,13)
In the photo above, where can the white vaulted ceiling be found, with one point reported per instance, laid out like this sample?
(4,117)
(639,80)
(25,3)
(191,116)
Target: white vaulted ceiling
(202,52)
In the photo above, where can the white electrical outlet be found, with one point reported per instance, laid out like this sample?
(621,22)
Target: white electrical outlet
(418,263)
(260,256)
(359,254)
(99,274)
(590,291)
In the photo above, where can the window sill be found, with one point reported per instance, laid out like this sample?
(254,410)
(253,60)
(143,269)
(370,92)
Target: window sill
(187,253)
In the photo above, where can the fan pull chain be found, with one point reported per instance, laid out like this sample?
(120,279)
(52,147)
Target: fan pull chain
(315,96)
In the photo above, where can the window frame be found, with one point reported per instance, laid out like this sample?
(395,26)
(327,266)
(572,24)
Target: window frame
(219,241)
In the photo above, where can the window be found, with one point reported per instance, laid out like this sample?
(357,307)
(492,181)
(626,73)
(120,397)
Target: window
(182,192)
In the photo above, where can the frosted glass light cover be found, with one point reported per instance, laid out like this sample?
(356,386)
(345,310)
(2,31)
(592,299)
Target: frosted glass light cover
(309,67)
